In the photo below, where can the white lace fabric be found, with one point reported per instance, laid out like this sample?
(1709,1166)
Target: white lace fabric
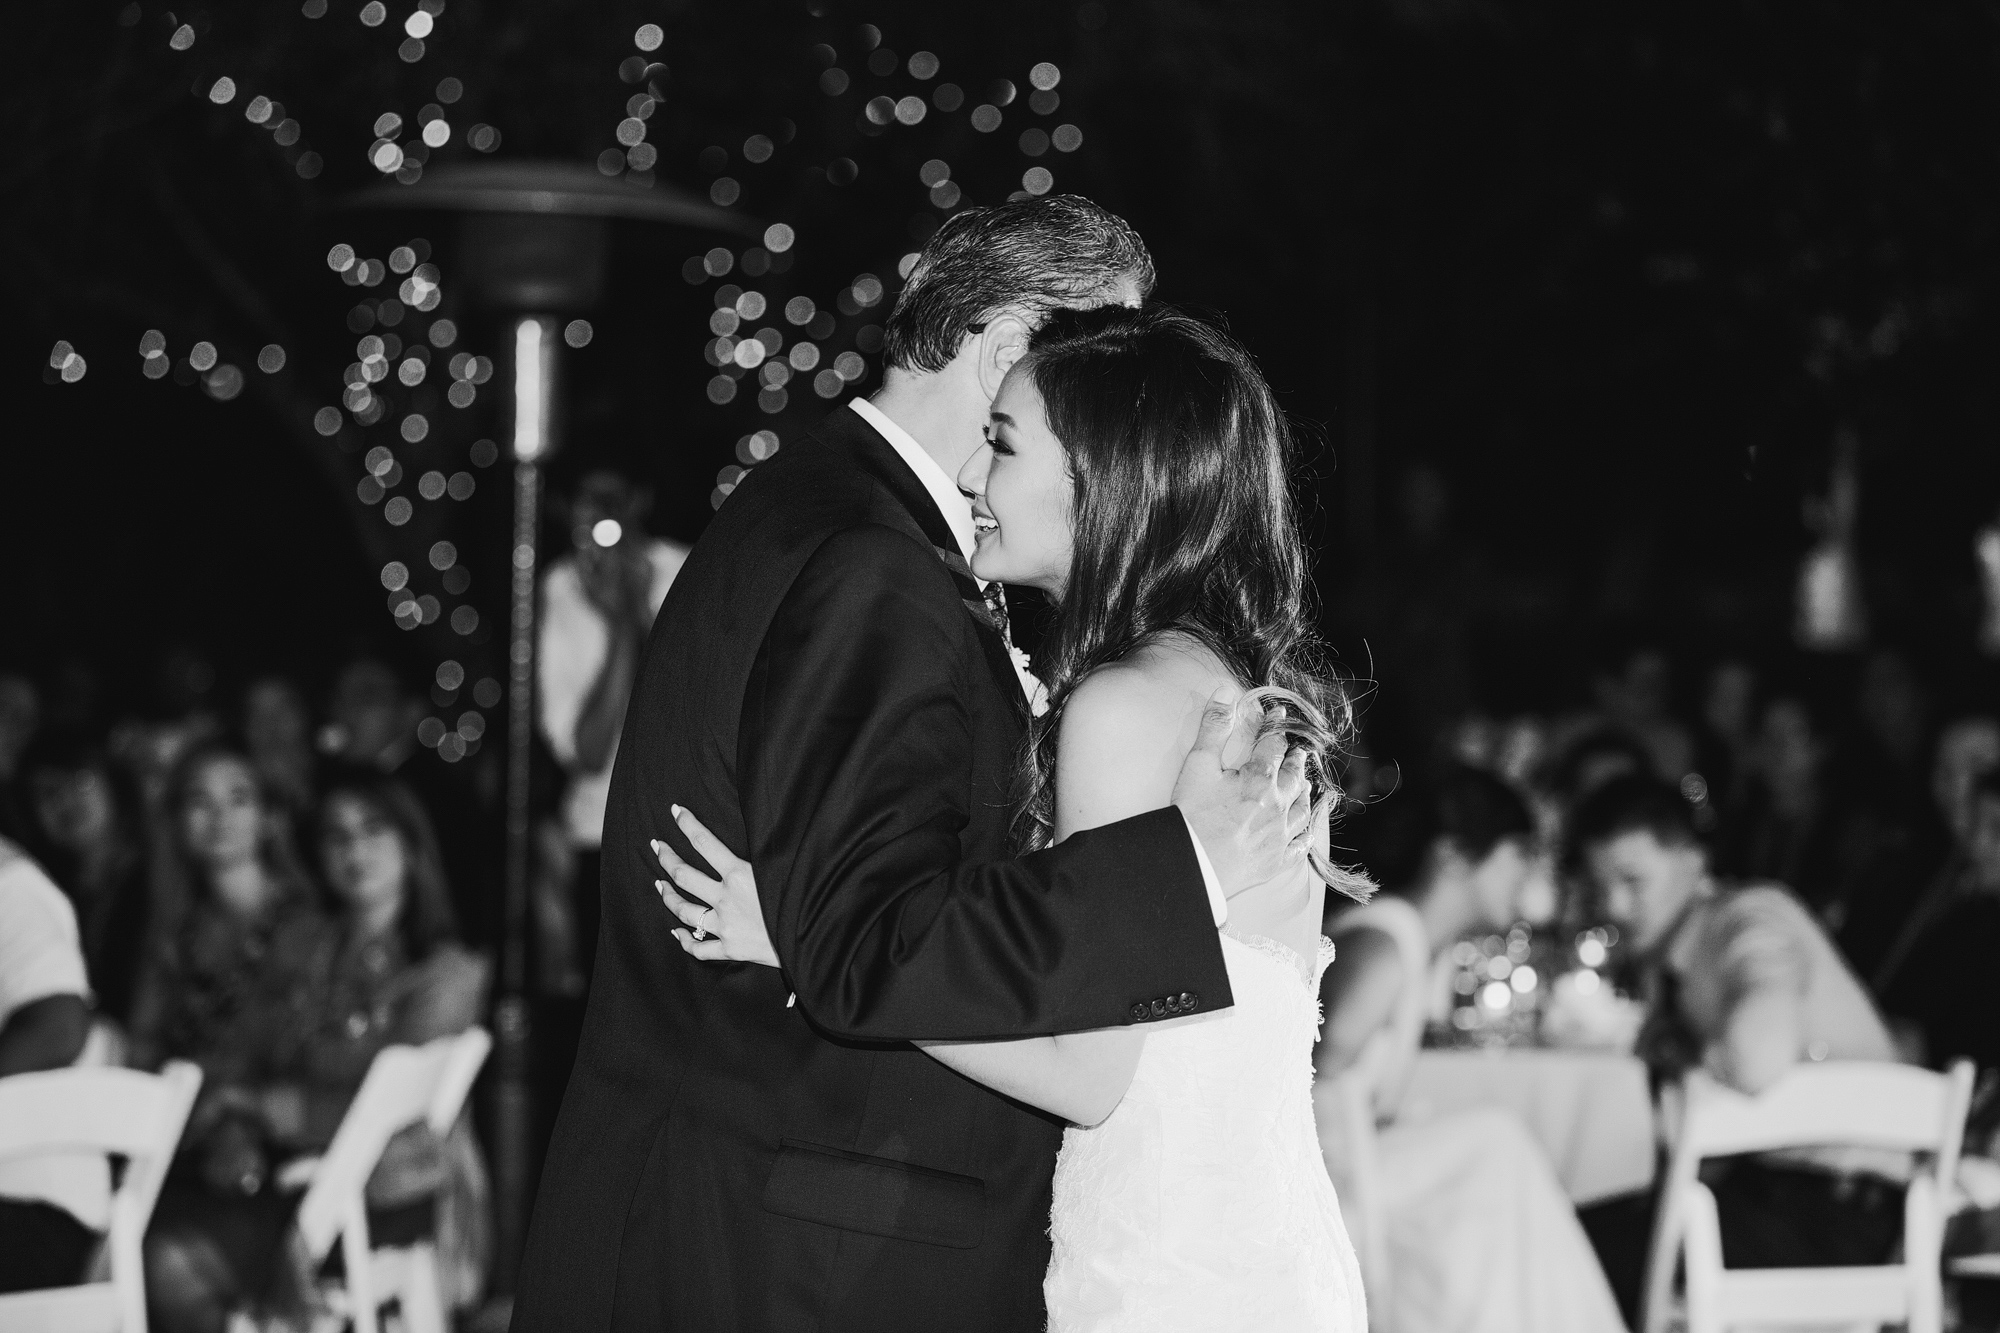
(1202,1202)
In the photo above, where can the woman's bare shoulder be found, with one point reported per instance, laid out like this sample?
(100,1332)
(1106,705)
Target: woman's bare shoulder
(1166,680)
(1126,730)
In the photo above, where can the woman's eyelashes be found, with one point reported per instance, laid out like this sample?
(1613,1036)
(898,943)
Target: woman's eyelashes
(998,445)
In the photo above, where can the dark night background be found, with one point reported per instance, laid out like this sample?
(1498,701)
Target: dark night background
(1603,284)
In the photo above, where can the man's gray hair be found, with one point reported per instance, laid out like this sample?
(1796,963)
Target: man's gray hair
(1037,254)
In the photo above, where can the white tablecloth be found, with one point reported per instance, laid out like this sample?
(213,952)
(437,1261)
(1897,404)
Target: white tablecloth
(1590,1111)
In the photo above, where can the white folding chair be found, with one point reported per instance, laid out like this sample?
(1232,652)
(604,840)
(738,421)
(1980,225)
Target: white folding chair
(1840,1103)
(116,1112)
(404,1084)
(1344,1108)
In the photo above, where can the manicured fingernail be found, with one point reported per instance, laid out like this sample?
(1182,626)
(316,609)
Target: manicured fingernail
(678,812)
(660,886)
(655,845)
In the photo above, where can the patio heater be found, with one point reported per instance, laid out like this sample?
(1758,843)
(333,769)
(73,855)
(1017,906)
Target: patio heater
(533,241)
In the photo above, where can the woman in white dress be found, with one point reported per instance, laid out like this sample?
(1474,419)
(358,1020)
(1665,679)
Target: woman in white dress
(1136,471)
(1480,1238)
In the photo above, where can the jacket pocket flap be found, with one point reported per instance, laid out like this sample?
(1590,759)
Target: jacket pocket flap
(875,1196)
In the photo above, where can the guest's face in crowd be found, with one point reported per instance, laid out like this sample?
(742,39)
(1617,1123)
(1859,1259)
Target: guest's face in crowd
(1020,483)
(275,719)
(1497,882)
(1788,749)
(75,809)
(370,710)
(1969,747)
(222,814)
(1982,843)
(363,853)
(1645,884)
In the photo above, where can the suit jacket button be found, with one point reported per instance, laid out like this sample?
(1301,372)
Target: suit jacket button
(1173,1004)
(1189,1000)
(1140,1013)
(1159,1008)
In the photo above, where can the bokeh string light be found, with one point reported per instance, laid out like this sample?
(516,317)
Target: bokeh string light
(780,349)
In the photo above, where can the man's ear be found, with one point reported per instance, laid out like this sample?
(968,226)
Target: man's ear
(1002,342)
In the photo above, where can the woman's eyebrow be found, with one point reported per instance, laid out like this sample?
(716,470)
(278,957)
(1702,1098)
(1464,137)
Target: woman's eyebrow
(1002,418)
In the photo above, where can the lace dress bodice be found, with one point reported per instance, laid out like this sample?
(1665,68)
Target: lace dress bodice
(1202,1202)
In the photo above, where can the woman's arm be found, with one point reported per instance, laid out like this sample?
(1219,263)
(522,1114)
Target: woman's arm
(1118,755)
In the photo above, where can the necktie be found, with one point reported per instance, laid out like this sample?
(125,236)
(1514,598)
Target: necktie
(988,605)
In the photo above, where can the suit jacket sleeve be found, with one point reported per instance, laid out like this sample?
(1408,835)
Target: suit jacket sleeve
(854,764)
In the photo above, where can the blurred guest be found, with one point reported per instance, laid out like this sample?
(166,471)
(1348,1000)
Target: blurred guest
(1799,828)
(1636,695)
(1943,981)
(229,986)
(52,1208)
(1481,1238)
(1894,711)
(278,733)
(1967,750)
(1583,763)
(1727,740)
(1933,971)
(598,604)
(373,724)
(86,832)
(394,973)
(1743,983)
(20,715)
(1898,839)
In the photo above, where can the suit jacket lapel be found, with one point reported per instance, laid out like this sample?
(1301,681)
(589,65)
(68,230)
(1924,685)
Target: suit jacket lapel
(847,431)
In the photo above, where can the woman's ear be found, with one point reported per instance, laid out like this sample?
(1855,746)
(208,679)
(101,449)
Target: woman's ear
(1002,342)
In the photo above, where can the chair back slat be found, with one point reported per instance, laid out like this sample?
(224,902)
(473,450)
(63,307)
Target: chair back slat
(404,1084)
(94,1110)
(137,1116)
(1848,1103)
(1836,1104)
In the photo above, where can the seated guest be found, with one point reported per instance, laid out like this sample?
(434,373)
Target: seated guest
(278,735)
(228,984)
(395,973)
(1743,982)
(385,970)
(1480,1237)
(1944,983)
(51,1208)
(372,724)
(84,819)
(1967,750)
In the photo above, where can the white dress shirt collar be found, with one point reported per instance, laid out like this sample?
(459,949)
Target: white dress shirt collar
(951,502)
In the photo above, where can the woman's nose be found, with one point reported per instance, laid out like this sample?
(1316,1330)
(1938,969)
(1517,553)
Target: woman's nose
(972,477)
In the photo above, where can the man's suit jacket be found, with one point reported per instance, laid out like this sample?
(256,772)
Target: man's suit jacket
(817,691)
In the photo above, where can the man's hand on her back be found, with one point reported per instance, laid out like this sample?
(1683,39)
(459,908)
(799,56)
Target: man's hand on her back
(1254,820)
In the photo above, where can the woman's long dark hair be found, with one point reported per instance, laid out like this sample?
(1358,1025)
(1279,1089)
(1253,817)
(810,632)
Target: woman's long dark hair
(1183,521)
(179,885)
(427,919)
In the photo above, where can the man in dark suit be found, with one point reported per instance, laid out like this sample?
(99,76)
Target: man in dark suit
(830,690)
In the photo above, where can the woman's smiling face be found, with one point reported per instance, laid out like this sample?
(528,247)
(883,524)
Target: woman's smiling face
(1021,490)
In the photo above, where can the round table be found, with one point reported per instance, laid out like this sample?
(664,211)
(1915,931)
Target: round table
(1591,1111)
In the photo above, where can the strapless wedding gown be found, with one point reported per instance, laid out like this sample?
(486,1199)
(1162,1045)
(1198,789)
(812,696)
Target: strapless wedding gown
(1202,1202)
